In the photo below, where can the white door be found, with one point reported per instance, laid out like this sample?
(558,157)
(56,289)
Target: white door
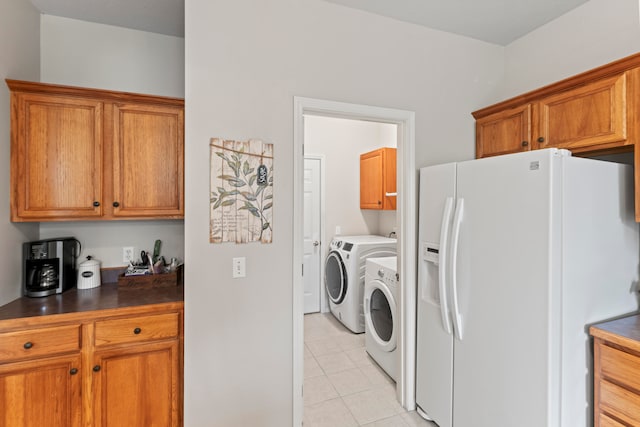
(312,247)
(434,370)
(502,358)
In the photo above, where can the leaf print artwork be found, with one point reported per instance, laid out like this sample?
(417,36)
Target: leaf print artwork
(241,191)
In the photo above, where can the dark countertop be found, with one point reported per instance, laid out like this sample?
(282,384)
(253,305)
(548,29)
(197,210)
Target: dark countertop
(107,296)
(623,331)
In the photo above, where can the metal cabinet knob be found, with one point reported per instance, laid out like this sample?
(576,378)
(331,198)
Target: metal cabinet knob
(116,204)
(73,371)
(525,143)
(137,331)
(96,203)
(28,345)
(96,368)
(316,243)
(541,139)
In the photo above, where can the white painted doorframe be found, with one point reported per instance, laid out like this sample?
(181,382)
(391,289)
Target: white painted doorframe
(324,304)
(407,236)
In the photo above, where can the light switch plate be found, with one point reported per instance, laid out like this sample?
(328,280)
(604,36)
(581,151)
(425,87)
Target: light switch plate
(239,267)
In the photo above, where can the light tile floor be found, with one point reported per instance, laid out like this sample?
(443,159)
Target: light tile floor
(343,386)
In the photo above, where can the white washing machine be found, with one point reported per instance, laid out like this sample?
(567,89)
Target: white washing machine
(344,275)
(380,308)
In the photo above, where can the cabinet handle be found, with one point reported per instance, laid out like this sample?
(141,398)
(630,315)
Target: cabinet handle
(28,345)
(379,202)
(96,368)
(96,203)
(525,143)
(116,204)
(73,371)
(541,139)
(137,331)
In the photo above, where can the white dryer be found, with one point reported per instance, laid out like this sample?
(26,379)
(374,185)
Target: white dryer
(344,275)
(381,322)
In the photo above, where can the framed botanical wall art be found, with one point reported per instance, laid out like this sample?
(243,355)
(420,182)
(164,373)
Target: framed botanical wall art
(241,191)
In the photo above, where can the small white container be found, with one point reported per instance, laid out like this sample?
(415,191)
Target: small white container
(89,274)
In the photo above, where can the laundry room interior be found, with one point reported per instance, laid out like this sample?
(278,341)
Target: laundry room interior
(339,142)
(350,332)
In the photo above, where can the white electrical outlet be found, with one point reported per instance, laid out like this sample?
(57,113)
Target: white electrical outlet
(239,267)
(127,254)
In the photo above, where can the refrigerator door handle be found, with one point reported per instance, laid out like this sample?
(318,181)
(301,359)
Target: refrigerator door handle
(443,262)
(455,239)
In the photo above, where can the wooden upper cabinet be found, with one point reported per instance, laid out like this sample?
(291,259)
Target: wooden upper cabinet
(378,179)
(589,117)
(88,154)
(148,159)
(56,157)
(504,132)
(592,113)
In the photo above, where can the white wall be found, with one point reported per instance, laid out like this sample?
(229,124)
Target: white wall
(87,54)
(341,141)
(598,32)
(80,53)
(19,59)
(245,61)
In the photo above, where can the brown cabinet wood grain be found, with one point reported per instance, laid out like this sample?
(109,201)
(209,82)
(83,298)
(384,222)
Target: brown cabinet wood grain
(589,117)
(42,392)
(616,362)
(378,179)
(504,132)
(586,118)
(114,367)
(88,154)
(148,159)
(137,385)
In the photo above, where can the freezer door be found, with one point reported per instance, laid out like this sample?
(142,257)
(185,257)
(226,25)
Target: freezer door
(501,362)
(434,370)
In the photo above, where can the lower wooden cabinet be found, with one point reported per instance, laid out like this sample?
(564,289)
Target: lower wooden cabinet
(43,392)
(616,388)
(120,367)
(137,386)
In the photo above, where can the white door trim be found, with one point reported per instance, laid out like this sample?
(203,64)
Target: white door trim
(324,304)
(407,236)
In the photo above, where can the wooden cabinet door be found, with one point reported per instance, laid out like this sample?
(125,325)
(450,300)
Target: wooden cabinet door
(371,180)
(378,179)
(148,161)
(41,393)
(504,132)
(587,118)
(56,157)
(137,385)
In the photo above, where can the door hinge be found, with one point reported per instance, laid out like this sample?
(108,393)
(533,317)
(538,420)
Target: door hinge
(303,269)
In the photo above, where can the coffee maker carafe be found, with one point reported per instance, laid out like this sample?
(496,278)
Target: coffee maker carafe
(49,266)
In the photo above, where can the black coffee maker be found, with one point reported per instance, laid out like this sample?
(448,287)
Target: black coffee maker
(49,266)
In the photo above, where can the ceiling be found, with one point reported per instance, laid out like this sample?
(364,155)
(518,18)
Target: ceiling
(494,21)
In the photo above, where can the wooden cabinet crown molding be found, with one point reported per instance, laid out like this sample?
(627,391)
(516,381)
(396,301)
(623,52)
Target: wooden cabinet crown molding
(107,95)
(607,70)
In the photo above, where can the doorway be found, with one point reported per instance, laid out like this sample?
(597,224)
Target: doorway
(312,233)
(406,213)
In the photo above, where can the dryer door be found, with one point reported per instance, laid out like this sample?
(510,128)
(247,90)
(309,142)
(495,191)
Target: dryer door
(379,314)
(335,277)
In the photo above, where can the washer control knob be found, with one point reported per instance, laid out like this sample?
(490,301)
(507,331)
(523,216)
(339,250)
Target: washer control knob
(381,273)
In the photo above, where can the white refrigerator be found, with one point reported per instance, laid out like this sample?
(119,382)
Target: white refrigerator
(517,255)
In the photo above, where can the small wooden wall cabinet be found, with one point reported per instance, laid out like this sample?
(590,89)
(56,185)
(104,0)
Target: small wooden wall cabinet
(616,390)
(88,154)
(378,179)
(593,113)
(119,367)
